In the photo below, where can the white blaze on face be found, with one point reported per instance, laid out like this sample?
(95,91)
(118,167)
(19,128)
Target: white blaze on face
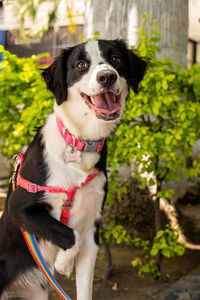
(98,63)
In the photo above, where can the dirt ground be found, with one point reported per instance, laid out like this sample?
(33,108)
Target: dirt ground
(129,285)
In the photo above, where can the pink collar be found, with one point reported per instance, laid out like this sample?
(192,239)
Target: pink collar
(81,145)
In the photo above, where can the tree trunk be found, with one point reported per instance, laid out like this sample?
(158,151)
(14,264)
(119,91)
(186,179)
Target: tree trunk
(108,255)
(120,19)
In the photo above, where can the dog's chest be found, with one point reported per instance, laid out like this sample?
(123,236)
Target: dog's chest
(87,201)
(87,204)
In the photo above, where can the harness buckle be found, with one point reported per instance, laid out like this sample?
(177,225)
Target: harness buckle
(29,187)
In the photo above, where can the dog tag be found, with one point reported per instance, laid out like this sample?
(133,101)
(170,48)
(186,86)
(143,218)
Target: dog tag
(72,156)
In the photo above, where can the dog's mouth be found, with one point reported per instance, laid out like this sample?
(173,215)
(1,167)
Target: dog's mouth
(106,105)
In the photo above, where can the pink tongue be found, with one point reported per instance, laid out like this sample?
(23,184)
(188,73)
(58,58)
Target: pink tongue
(105,103)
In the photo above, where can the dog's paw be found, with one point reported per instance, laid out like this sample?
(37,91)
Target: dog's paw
(67,239)
(64,263)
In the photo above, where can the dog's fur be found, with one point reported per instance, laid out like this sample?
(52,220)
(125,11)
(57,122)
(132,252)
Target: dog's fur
(78,71)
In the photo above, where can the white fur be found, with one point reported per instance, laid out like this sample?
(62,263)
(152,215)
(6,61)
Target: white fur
(85,263)
(81,121)
(39,294)
(28,286)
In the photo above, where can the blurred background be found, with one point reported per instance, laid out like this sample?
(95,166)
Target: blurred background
(49,26)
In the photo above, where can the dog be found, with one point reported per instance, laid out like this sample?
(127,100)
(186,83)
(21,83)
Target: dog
(90,82)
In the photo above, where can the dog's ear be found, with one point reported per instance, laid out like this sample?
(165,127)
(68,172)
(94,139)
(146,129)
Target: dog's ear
(136,66)
(55,76)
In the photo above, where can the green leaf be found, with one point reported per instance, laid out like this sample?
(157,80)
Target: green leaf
(151,182)
(168,140)
(96,33)
(180,250)
(164,85)
(167,252)
(154,251)
(160,233)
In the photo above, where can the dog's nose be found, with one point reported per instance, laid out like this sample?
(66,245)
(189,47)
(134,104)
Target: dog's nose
(106,78)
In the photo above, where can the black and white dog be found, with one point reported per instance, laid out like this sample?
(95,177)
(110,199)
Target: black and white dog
(90,82)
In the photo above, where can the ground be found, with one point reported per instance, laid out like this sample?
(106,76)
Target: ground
(129,285)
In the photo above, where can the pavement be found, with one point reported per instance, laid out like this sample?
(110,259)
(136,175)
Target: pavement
(187,288)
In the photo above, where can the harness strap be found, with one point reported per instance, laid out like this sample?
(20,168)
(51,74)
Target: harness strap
(35,188)
(70,197)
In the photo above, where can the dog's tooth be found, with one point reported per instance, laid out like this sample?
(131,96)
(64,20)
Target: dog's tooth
(92,99)
(115,98)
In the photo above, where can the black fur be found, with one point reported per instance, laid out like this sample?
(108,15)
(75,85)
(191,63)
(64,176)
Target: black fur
(55,76)
(63,73)
(96,233)
(101,165)
(132,67)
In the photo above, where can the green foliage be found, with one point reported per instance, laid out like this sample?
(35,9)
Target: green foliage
(24,101)
(148,37)
(166,125)
(161,123)
(165,242)
(119,188)
(189,83)
(116,233)
(146,264)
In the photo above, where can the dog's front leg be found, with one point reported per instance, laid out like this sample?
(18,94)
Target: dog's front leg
(36,219)
(85,263)
(64,262)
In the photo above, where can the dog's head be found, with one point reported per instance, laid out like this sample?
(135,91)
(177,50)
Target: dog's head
(95,76)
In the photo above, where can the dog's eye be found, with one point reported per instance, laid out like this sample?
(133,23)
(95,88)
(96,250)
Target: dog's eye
(81,65)
(115,60)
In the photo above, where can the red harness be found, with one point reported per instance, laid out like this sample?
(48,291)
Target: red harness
(35,188)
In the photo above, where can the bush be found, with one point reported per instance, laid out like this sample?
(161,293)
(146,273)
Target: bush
(24,101)
(161,123)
